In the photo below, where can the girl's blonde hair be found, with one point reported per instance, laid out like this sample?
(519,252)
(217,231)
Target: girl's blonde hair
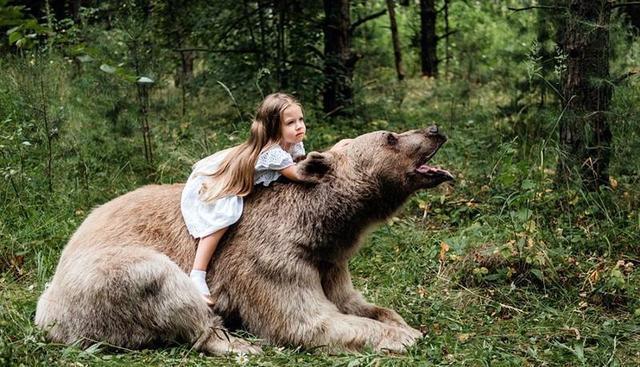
(235,174)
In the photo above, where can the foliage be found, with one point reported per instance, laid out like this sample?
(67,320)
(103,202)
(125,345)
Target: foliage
(502,268)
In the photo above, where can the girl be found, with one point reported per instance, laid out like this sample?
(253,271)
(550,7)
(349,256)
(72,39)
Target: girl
(212,198)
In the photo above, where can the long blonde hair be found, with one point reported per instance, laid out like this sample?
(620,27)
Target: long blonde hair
(235,174)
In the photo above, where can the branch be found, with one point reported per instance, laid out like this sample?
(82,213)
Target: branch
(625,4)
(351,61)
(314,50)
(446,34)
(335,110)
(438,11)
(215,50)
(366,19)
(537,7)
(624,76)
(232,26)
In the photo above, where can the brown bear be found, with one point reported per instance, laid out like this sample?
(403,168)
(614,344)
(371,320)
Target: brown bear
(281,272)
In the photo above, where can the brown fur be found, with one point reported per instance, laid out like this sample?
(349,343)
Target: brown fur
(281,270)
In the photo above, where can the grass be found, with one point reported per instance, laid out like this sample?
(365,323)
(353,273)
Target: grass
(501,269)
(465,325)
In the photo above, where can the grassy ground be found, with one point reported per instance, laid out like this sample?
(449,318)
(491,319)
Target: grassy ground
(500,269)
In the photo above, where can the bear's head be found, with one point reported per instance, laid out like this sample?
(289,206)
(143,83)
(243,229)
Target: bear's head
(393,162)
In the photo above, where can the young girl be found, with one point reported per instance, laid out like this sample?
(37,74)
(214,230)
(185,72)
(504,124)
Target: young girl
(212,198)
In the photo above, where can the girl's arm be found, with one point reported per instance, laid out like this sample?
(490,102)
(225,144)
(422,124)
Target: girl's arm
(292,173)
(311,170)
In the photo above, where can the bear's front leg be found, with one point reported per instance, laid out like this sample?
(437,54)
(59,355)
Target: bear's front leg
(337,285)
(303,316)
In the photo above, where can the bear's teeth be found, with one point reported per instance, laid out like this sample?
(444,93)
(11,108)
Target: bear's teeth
(427,169)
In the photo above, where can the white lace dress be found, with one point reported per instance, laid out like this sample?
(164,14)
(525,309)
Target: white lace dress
(202,218)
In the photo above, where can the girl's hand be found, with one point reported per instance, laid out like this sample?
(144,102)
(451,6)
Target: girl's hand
(312,169)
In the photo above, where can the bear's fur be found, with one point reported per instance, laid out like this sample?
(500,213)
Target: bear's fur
(281,272)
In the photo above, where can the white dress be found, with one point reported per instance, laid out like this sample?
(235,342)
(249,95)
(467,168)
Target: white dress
(202,218)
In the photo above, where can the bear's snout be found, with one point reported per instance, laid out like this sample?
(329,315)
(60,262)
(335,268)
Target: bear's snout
(433,132)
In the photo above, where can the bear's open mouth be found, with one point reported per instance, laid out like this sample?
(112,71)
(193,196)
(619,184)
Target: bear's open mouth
(428,170)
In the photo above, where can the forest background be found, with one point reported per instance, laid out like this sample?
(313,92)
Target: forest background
(530,258)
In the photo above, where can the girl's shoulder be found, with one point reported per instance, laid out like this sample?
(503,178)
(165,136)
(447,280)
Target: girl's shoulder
(272,147)
(274,157)
(297,150)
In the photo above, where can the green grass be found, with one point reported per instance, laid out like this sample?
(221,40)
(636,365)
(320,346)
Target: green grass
(400,267)
(500,269)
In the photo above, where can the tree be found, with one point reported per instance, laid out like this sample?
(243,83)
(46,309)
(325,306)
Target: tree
(339,58)
(633,13)
(548,31)
(397,53)
(447,54)
(428,38)
(585,137)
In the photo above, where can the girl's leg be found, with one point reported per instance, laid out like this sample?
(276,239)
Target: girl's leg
(204,252)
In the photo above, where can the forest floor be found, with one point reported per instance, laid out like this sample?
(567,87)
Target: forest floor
(500,269)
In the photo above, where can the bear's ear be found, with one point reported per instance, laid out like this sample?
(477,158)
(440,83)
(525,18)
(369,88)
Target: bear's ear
(315,166)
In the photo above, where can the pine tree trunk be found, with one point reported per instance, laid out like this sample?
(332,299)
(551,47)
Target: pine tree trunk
(283,80)
(263,26)
(428,38)
(585,137)
(339,60)
(397,53)
(633,13)
(546,24)
(447,53)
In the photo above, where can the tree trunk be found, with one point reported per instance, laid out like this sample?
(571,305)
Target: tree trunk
(339,60)
(428,38)
(185,72)
(75,10)
(447,54)
(397,53)
(585,137)
(281,61)
(633,13)
(546,24)
(59,8)
(185,75)
(263,26)
(254,43)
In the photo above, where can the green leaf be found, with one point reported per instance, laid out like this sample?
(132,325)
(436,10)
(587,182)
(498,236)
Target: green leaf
(538,274)
(14,37)
(12,30)
(523,214)
(85,58)
(527,185)
(493,277)
(94,348)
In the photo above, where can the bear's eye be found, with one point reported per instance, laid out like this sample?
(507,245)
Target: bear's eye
(391,139)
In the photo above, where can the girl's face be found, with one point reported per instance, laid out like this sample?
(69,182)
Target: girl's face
(292,125)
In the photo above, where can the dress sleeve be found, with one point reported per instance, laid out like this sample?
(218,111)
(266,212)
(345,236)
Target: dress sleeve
(274,159)
(298,150)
